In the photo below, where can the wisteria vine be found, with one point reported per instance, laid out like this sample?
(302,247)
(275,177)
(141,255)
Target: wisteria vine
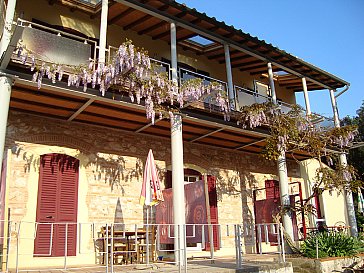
(294,131)
(132,71)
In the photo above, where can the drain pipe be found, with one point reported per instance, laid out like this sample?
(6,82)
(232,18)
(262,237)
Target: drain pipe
(346,88)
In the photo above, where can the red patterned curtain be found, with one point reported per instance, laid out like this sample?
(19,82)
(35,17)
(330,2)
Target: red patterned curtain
(195,205)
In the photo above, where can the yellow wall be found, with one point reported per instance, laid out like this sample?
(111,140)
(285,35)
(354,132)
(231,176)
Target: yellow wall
(333,206)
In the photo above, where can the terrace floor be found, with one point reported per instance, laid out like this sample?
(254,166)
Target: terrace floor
(251,263)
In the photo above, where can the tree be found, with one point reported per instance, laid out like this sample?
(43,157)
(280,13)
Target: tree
(356,155)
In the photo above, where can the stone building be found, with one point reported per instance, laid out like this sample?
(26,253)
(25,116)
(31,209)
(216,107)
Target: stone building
(78,157)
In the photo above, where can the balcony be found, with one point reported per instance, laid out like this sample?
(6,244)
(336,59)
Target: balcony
(56,46)
(64,48)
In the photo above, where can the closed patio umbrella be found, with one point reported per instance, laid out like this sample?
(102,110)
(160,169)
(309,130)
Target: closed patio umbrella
(151,193)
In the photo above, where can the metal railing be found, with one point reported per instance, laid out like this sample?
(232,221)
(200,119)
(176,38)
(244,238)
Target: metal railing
(159,66)
(185,74)
(57,46)
(246,97)
(96,244)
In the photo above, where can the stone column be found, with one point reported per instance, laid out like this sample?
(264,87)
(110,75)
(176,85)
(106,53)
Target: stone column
(5,92)
(271,83)
(179,215)
(282,169)
(343,161)
(103,30)
(307,99)
(9,17)
(229,77)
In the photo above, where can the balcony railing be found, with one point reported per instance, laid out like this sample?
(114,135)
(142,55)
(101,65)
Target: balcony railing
(185,75)
(56,46)
(246,97)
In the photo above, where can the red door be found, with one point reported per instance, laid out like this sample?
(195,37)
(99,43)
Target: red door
(57,206)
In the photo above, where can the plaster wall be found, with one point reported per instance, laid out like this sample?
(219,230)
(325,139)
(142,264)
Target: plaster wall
(333,203)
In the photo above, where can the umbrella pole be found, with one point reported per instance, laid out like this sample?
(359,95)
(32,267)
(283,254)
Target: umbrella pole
(147,235)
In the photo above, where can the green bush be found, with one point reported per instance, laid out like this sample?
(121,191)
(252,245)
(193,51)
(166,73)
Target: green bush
(331,244)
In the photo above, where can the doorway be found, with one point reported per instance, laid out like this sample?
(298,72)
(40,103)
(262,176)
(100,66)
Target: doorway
(56,215)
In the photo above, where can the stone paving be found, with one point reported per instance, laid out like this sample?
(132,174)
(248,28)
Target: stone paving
(254,263)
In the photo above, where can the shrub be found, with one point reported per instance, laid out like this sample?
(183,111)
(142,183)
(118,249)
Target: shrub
(331,244)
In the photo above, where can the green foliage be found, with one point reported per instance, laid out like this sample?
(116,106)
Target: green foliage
(331,244)
(356,156)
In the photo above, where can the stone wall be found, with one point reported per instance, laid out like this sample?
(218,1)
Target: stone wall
(329,265)
(111,170)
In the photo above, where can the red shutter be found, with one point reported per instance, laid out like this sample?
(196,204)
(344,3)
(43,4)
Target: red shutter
(57,203)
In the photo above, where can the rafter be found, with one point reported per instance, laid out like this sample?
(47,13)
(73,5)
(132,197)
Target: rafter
(243,64)
(151,28)
(137,22)
(254,67)
(121,15)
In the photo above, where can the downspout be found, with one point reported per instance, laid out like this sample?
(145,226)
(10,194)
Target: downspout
(346,88)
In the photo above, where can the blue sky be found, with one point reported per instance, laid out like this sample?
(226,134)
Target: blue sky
(326,33)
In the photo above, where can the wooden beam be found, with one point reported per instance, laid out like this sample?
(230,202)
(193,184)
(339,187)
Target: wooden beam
(164,34)
(254,67)
(137,22)
(247,63)
(153,27)
(297,84)
(261,71)
(121,15)
(219,55)
(234,59)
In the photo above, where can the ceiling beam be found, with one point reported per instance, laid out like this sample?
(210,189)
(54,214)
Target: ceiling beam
(261,71)
(81,109)
(234,59)
(137,22)
(254,67)
(249,144)
(297,84)
(208,134)
(119,16)
(164,34)
(153,27)
(219,55)
(255,62)
(147,126)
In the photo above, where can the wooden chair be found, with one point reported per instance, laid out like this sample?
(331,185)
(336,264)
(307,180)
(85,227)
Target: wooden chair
(114,242)
(143,244)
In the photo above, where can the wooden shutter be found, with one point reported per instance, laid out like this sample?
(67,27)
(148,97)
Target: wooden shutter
(57,204)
